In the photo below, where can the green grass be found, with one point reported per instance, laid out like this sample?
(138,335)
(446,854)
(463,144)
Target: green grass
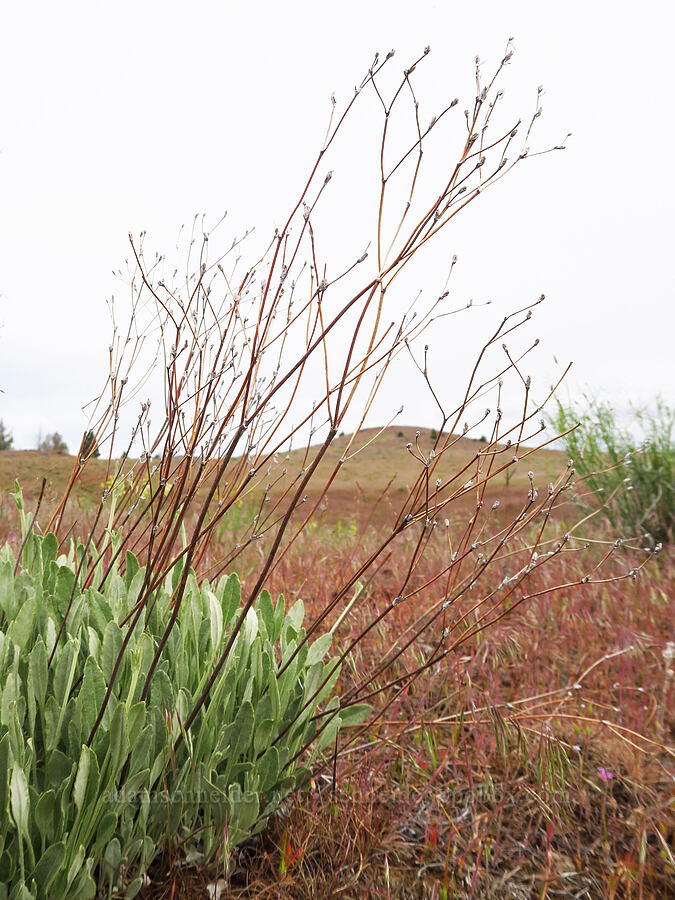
(630,472)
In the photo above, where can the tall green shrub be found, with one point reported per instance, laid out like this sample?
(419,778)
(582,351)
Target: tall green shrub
(631,471)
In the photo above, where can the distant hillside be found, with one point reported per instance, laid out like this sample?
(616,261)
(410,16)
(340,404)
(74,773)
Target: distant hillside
(374,462)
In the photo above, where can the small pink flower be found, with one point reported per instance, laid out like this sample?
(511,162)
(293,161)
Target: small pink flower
(604,774)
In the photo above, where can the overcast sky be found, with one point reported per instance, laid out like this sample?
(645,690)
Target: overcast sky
(129,116)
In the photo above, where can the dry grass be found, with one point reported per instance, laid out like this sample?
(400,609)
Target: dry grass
(484,779)
(369,485)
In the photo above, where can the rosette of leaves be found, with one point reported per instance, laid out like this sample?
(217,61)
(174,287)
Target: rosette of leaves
(85,808)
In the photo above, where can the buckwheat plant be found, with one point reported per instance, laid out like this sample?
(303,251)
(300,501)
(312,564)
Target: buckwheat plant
(151,700)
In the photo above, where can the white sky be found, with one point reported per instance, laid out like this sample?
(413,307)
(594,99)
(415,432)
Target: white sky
(119,117)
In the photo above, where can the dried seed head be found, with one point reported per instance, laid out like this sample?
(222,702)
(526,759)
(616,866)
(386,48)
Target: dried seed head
(668,653)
